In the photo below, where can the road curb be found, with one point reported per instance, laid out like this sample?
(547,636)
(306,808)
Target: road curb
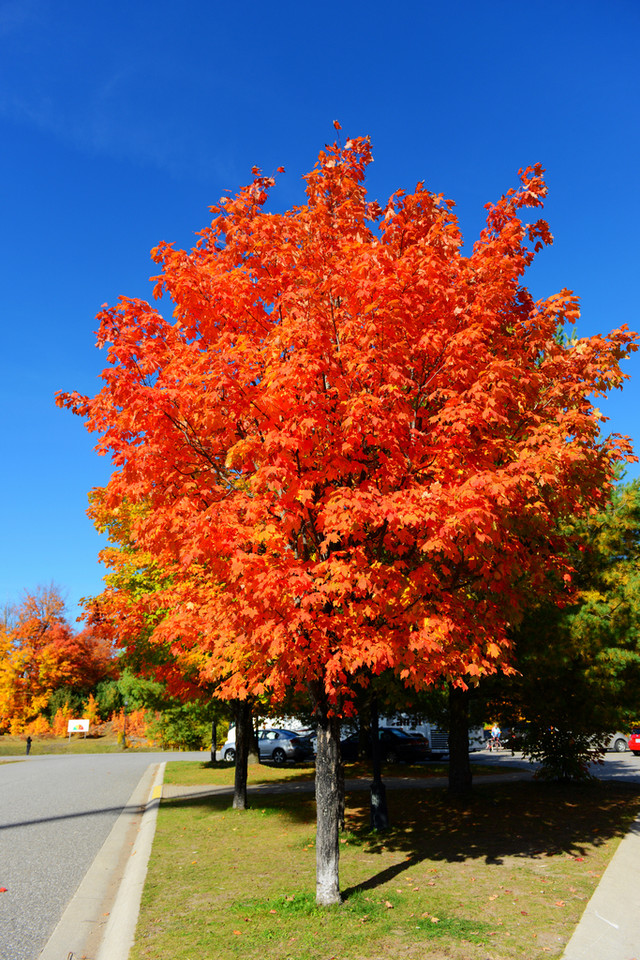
(86,921)
(121,927)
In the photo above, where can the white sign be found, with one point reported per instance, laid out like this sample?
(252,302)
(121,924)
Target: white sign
(78,726)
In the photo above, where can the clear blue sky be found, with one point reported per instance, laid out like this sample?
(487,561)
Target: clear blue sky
(121,122)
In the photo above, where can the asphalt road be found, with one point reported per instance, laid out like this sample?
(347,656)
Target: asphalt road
(55,814)
(616,766)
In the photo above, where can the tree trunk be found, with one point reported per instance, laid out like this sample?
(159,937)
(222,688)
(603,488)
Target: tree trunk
(378,811)
(214,737)
(459,766)
(244,737)
(253,749)
(341,801)
(327,809)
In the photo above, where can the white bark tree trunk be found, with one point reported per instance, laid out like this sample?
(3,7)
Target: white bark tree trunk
(328,811)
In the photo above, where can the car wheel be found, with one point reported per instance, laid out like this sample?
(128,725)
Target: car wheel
(392,757)
(278,756)
(620,746)
(230,756)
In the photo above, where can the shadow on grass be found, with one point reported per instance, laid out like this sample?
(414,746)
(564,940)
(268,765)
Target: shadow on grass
(499,821)
(292,769)
(298,808)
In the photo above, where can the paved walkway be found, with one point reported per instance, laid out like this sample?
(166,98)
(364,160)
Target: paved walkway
(610,925)
(608,930)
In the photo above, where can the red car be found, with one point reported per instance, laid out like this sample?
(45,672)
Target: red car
(634,741)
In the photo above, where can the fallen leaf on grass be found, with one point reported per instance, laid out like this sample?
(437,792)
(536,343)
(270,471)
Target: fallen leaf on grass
(388,904)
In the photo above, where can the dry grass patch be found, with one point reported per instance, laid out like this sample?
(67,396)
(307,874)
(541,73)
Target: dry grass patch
(505,876)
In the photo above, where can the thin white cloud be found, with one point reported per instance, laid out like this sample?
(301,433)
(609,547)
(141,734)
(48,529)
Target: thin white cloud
(104,120)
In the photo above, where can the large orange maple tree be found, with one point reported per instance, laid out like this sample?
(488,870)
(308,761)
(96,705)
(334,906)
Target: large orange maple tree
(40,653)
(351,444)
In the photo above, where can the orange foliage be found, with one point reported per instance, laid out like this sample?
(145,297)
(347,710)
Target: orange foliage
(60,723)
(38,728)
(40,653)
(136,722)
(16,726)
(349,450)
(90,710)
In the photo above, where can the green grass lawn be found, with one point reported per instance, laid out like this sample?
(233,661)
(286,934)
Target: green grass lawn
(16,746)
(196,773)
(505,875)
(222,774)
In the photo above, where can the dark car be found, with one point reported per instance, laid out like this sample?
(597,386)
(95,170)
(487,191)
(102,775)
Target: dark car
(350,748)
(278,746)
(395,745)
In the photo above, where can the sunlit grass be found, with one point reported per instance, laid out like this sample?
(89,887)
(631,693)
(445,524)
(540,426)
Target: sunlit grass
(196,773)
(506,875)
(16,746)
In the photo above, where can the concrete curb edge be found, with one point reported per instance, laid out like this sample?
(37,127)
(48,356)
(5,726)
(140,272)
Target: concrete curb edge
(121,926)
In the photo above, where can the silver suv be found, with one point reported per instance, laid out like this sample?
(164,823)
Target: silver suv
(279,746)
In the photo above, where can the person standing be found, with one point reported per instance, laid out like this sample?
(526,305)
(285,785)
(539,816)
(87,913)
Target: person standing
(28,745)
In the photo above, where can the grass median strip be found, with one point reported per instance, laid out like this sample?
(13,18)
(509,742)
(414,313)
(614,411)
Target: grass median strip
(505,875)
(195,773)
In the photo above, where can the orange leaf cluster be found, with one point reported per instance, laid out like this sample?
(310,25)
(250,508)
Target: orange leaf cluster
(349,449)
